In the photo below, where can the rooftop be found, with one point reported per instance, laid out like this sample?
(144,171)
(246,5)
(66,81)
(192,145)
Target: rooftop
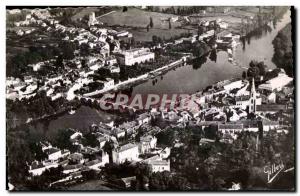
(93,162)
(127,147)
(230,126)
(158,162)
(270,107)
(51,150)
(147,138)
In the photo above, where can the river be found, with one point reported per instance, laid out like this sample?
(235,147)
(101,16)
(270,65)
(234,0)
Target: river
(189,79)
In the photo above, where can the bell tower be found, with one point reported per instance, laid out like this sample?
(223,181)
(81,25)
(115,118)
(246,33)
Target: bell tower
(252,101)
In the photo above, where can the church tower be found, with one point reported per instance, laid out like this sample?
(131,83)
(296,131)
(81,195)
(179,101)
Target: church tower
(252,103)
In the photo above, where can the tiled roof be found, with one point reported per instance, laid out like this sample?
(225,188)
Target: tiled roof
(270,107)
(230,126)
(127,146)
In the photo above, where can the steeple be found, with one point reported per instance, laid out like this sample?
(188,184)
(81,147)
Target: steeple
(252,103)
(253,86)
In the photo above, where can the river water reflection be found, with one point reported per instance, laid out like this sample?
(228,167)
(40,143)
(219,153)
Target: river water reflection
(189,79)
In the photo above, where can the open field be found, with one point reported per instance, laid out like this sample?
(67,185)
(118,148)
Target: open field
(140,19)
(92,185)
(143,35)
(84,12)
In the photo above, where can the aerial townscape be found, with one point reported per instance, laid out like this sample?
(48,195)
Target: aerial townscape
(150,98)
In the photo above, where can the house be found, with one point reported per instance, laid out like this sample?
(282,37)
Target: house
(20,32)
(129,152)
(102,140)
(165,153)
(107,83)
(230,128)
(249,125)
(72,168)
(223,25)
(130,127)
(37,66)
(127,182)
(147,143)
(269,125)
(45,145)
(203,141)
(206,35)
(144,118)
(184,116)
(111,60)
(95,66)
(221,9)
(118,133)
(241,113)
(113,68)
(65,152)
(28,79)
(170,116)
(269,98)
(36,168)
(76,158)
(234,117)
(53,153)
(134,56)
(159,165)
(75,135)
(224,35)
(56,96)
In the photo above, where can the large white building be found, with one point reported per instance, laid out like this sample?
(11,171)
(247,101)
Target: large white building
(159,165)
(276,83)
(133,56)
(53,154)
(37,168)
(129,152)
(147,143)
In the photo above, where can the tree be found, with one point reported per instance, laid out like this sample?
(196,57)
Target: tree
(89,174)
(244,75)
(125,9)
(262,68)
(151,23)
(253,72)
(59,61)
(84,49)
(90,139)
(68,49)
(108,148)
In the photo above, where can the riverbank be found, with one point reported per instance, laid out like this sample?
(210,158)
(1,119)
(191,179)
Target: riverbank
(283,50)
(141,78)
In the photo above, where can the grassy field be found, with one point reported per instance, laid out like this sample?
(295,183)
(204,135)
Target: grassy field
(139,18)
(83,12)
(92,185)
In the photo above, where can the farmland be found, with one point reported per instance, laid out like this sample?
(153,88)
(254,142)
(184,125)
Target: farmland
(137,25)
